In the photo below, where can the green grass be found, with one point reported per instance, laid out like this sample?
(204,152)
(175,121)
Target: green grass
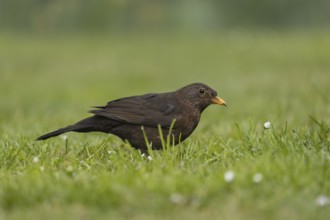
(50,81)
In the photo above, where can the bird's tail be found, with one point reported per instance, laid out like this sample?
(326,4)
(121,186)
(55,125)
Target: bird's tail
(85,125)
(55,133)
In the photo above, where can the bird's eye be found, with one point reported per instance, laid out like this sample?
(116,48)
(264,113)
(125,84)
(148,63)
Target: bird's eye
(201,91)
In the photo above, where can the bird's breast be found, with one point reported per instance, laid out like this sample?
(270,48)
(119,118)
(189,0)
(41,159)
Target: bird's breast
(187,123)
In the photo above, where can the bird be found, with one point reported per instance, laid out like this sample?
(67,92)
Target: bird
(145,121)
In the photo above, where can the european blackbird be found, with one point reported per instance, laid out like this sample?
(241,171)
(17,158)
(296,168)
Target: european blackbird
(139,119)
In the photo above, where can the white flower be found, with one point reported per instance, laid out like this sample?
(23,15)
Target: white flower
(69,168)
(257,178)
(176,198)
(64,137)
(83,163)
(267,125)
(229,176)
(35,160)
(322,200)
(149,158)
(143,155)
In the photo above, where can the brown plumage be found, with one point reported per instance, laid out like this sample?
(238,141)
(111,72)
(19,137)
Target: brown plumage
(125,117)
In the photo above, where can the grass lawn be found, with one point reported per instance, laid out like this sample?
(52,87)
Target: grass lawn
(230,168)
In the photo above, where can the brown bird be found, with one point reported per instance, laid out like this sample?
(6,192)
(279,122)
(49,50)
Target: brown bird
(138,118)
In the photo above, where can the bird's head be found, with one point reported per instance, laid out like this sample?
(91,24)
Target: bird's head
(201,95)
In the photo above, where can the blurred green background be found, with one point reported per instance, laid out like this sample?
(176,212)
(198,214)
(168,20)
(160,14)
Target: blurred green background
(270,61)
(128,15)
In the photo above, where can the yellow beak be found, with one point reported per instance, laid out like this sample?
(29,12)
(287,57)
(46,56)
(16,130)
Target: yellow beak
(219,101)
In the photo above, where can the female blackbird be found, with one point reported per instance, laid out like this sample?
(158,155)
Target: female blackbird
(140,119)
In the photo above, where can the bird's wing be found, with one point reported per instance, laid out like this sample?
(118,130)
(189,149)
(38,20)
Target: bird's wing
(149,110)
